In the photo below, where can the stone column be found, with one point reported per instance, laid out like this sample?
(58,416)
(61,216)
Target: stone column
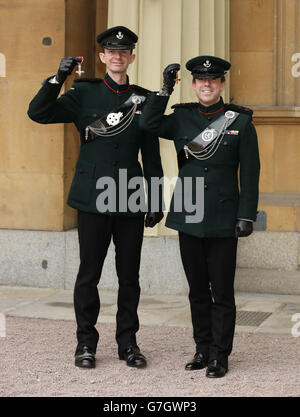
(172,31)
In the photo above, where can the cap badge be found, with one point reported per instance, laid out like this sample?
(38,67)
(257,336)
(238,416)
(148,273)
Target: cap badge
(120,35)
(207,64)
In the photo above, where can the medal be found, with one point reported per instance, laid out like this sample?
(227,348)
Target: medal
(80,61)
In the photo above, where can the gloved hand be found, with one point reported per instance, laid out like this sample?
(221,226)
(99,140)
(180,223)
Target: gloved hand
(153,218)
(243,228)
(169,78)
(65,68)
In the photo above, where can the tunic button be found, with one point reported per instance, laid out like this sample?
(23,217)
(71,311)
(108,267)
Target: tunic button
(209,118)
(225,143)
(205,187)
(205,169)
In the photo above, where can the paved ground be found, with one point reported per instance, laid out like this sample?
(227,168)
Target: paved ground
(37,341)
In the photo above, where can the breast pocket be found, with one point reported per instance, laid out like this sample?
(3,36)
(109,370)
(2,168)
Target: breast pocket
(83,183)
(90,115)
(227,150)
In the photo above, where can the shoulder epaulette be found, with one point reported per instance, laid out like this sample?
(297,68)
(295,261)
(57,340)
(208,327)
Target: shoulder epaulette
(239,109)
(185,105)
(140,90)
(88,80)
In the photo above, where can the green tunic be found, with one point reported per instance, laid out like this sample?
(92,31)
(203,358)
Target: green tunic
(227,195)
(87,101)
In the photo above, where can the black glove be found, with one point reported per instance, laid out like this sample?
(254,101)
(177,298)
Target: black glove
(65,68)
(153,218)
(243,228)
(169,78)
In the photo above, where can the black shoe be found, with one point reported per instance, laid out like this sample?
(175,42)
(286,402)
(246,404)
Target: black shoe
(215,369)
(133,357)
(85,358)
(198,362)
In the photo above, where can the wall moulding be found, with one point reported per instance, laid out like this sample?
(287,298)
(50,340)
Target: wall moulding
(276,115)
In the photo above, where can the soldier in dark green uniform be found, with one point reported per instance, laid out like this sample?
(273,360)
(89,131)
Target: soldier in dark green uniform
(213,141)
(106,112)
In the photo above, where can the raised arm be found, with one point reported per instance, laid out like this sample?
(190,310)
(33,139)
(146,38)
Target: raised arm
(46,108)
(152,118)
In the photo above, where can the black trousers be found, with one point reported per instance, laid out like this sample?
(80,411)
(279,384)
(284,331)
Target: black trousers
(209,265)
(95,232)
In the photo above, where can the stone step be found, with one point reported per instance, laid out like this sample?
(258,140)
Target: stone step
(259,280)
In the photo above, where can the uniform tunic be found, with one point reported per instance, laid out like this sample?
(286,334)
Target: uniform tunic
(225,197)
(84,103)
(208,247)
(87,101)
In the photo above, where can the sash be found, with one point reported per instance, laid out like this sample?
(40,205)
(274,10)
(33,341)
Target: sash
(205,144)
(116,120)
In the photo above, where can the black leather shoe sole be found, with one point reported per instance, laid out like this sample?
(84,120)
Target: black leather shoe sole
(85,363)
(135,362)
(216,373)
(85,358)
(194,366)
(133,357)
(198,362)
